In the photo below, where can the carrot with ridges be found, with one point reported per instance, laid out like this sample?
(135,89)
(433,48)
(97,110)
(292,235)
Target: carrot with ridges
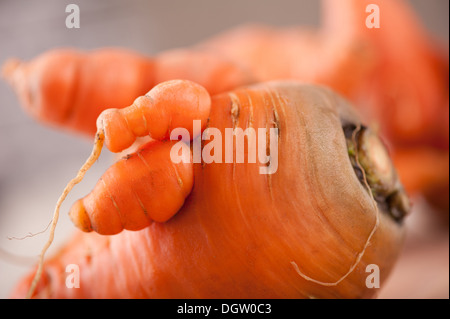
(180,103)
(242,234)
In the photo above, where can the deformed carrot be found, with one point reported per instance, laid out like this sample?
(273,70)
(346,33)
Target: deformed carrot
(167,106)
(137,190)
(396,74)
(309,230)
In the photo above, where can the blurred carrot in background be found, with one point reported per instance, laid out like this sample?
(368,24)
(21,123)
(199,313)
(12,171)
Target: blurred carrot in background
(69,88)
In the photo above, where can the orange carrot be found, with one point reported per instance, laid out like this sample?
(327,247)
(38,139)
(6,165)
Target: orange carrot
(406,91)
(169,104)
(225,241)
(424,167)
(69,88)
(155,187)
(396,75)
(425,172)
(309,55)
(62,87)
(135,191)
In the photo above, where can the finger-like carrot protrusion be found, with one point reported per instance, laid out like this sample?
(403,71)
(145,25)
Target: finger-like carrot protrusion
(152,188)
(167,106)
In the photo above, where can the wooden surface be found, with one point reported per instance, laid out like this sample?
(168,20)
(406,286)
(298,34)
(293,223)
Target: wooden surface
(36,161)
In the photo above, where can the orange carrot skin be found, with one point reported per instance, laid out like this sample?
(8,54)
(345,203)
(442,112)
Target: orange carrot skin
(406,94)
(143,187)
(424,171)
(409,81)
(169,105)
(69,88)
(213,71)
(395,75)
(155,187)
(239,231)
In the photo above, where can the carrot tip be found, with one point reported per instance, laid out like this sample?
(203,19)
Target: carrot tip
(9,67)
(79,217)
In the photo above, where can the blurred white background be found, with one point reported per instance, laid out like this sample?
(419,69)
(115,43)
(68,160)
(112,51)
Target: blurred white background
(36,162)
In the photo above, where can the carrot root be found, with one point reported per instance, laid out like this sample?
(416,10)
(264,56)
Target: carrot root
(95,154)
